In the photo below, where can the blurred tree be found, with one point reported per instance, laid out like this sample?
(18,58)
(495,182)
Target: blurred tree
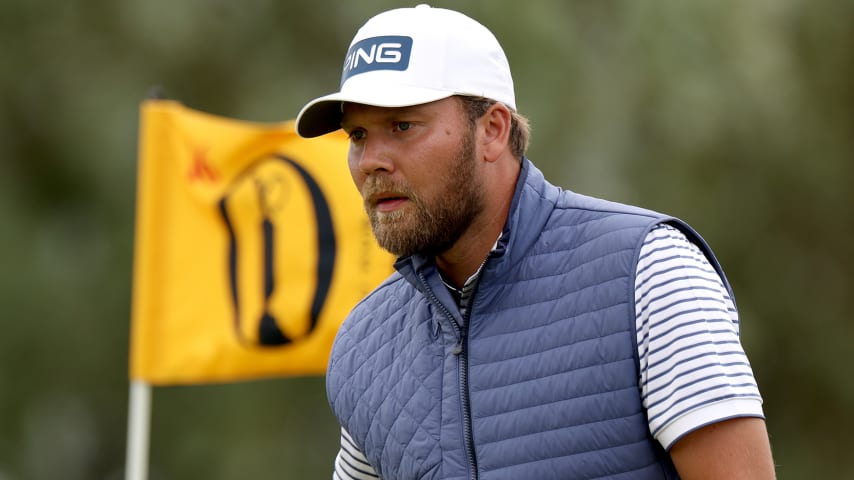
(737,116)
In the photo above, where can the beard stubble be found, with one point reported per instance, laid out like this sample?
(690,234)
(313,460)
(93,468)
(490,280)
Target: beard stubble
(429,226)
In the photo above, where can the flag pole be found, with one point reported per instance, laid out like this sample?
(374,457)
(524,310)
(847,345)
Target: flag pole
(139,420)
(139,401)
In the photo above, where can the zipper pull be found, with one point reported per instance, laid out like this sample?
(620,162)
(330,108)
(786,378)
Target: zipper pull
(458,348)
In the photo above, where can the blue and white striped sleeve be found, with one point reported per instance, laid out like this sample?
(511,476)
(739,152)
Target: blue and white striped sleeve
(351,464)
(693,369)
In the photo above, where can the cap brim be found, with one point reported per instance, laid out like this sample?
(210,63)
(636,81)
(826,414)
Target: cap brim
(323,115)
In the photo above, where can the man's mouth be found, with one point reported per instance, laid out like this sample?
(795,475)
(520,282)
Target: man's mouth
(387,202)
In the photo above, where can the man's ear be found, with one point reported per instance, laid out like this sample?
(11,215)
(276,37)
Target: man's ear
(494,127)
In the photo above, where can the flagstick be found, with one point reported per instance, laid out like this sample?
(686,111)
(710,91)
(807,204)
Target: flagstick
(139,419)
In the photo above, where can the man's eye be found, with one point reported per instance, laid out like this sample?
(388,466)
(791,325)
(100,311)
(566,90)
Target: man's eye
(357,135)
(403,126)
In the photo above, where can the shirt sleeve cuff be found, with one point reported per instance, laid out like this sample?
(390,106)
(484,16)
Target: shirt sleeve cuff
(707,415)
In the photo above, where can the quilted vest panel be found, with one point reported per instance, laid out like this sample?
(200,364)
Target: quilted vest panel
(539,383)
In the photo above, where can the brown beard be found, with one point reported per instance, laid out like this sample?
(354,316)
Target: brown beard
(434,225)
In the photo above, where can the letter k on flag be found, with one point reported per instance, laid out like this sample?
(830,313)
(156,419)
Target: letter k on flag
(251,247)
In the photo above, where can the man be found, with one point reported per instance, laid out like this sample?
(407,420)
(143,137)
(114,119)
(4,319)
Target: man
(529,332)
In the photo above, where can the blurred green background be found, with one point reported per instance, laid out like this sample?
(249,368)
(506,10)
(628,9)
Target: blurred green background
(735,115)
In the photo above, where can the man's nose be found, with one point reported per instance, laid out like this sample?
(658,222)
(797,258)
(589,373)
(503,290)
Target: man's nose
(375,156)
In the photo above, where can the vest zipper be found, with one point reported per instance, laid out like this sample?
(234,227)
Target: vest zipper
(468,439)
(462,356)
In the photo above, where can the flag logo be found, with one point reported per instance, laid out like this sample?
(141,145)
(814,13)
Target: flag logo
(270,193)
(200,169)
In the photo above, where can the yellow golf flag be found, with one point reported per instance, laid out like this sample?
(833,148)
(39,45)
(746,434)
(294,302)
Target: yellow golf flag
(251,247)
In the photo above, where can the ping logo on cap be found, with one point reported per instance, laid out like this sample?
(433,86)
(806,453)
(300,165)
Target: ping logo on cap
(389,52)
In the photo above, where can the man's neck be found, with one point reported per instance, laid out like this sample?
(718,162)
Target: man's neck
(458,263)
(467,255)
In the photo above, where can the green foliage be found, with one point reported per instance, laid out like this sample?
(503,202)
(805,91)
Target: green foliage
(735,115)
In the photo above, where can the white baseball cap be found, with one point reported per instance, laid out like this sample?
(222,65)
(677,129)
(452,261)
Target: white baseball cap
(411,56)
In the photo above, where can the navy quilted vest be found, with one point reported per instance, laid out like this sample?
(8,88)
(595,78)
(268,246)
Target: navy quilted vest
(540,382)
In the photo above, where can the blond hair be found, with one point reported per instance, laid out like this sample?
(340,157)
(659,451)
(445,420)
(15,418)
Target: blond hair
(520,128)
